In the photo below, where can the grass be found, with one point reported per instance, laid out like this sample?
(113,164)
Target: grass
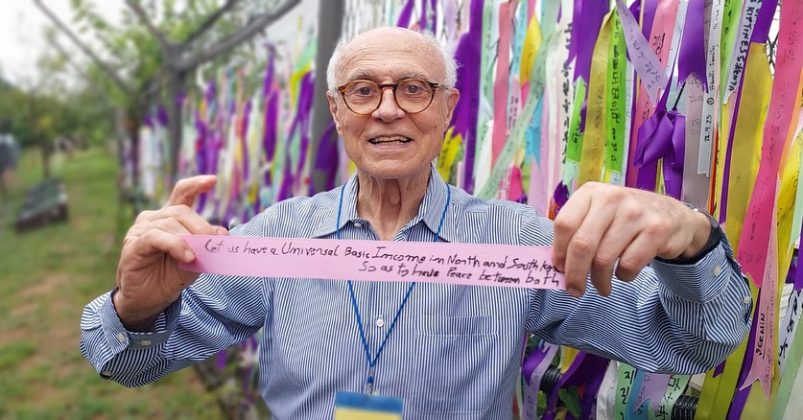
(46,277)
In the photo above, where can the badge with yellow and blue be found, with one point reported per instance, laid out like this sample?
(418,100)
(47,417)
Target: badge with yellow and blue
(354,406)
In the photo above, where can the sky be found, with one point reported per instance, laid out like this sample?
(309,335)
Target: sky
(21,35)
(22,26)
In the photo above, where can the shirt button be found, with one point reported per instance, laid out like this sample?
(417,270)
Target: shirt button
(121,337)
(357,224)
(747,300)
(380,322)
(146,343)
(717,270)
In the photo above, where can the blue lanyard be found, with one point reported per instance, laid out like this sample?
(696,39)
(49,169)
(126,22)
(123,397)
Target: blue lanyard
(372,360)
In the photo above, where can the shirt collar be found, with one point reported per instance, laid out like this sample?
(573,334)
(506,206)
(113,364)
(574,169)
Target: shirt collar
(430,210)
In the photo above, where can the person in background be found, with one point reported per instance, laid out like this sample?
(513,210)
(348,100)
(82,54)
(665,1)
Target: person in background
(9,157)
(650,281)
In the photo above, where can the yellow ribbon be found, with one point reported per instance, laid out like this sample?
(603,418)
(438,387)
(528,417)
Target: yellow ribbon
(449,151)
(594,138)
(718,391)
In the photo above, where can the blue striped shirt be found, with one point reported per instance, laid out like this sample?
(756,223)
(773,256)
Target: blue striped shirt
(456,350)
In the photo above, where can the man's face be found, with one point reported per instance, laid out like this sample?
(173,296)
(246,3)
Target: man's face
(390,143)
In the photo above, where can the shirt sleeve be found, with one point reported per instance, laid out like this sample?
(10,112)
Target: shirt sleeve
(211,315)
(673,318)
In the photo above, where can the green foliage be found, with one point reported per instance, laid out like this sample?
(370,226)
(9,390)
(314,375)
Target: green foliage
(36,118)
(47,277)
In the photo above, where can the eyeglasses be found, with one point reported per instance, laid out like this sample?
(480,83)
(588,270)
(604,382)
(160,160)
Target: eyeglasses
(411,95)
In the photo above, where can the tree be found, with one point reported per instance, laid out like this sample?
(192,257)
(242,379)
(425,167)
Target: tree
(168,49)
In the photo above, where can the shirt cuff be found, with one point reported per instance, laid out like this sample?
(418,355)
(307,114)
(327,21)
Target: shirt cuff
(120,339)
(701,281)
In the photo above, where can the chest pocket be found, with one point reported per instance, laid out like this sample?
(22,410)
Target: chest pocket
(454,364)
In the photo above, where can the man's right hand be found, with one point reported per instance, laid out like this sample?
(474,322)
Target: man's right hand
(148,277)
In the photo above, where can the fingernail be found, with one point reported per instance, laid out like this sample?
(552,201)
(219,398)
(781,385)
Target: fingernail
(189,256)
(221,230)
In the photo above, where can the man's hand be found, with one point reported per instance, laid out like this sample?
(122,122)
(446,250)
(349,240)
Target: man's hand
(603,224)
(148,276)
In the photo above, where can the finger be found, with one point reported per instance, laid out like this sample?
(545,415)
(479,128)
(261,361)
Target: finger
(566,224)
(622,231)
(188,189)
(583,247)
(192,221)
(157,241)
(146,216)
(638,254)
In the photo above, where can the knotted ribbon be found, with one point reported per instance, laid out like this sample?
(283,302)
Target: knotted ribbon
(662,136)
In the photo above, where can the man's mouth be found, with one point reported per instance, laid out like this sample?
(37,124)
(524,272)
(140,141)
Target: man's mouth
(390,139)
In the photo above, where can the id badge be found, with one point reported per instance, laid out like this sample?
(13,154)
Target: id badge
(354,406)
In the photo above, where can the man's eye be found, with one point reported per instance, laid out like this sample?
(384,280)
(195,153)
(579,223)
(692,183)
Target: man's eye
(364,91)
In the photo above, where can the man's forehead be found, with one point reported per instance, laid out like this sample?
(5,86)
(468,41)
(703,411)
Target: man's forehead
(389,53)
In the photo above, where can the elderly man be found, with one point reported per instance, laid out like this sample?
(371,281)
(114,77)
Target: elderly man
(444,351)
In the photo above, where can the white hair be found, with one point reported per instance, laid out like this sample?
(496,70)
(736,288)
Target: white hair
(449,63)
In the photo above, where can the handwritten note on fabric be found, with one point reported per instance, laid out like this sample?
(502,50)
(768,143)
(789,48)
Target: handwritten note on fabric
(784,99)
(647,65)
(445,263)
(761,368)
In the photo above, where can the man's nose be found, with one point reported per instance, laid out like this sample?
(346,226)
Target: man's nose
(388,109)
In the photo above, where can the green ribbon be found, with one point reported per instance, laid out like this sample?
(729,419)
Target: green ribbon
(615,98)
(625,376)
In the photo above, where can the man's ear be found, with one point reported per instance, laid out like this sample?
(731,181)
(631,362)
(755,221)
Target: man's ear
(453,95)
(330,97)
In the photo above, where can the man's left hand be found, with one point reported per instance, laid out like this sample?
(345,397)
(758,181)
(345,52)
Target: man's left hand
(603,225)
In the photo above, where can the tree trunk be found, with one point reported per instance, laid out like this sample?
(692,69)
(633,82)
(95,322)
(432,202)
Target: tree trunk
(174,88)
(330,23)
(46,150)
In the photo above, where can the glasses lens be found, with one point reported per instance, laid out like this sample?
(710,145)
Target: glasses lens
(362,96)
(414,95)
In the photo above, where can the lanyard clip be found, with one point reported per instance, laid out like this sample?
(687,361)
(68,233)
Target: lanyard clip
(369,382)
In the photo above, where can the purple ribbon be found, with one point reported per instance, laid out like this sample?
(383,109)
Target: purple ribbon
(220,360)
(586,369)
(405,15)
(798,274)
(433,4)
(271,117)
(650,8)
(464,119)
(267,81)
(560,196)
(533,369)
(244,138)
(303,114)
(662,136)
(726,170)
(763,23)
(587,21)
(740,395)
(326,160)
(200,156)
(761,31)
(287,180)
(691,58)
(719,369)
(161,116)
(300,125)
(422,21)
(269,137)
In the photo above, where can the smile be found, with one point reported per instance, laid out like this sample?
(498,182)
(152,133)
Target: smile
(390,139)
